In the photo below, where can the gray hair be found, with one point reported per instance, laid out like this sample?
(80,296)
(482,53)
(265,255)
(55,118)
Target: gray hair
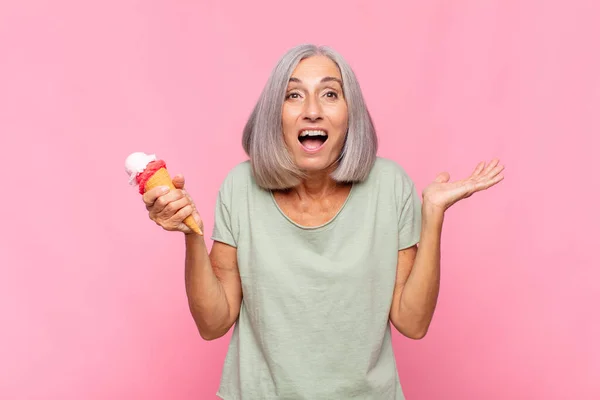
(263,139)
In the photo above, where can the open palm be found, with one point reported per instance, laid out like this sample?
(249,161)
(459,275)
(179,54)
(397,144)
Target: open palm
(442,193)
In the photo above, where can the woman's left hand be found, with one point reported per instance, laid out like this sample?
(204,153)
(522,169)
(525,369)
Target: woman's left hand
(441,194)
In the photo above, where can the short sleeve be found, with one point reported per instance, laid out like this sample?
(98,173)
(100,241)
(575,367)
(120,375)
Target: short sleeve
(409,218)
(223,228)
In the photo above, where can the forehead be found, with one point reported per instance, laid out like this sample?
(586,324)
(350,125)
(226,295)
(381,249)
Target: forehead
(316,68)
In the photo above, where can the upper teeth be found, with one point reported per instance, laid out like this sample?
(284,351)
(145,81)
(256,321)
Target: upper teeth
(313,133)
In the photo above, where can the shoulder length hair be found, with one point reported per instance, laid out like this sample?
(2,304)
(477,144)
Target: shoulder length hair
(263,141)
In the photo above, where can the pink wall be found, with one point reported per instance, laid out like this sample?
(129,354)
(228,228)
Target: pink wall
(93,303)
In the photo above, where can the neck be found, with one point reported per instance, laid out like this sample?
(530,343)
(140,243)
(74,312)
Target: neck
(316,186)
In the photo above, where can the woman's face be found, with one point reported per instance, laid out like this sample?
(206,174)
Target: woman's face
(315,114)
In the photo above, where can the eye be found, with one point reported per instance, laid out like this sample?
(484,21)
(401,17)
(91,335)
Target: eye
(331,94)
(293,95)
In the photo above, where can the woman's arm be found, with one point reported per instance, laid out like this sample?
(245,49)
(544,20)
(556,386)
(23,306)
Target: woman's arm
(213,286)
(212,281)
(418,279)
(418,269)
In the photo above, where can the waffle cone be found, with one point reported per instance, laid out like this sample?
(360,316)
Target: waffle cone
(162,178)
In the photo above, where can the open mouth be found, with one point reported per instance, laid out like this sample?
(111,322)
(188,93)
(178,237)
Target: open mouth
(312,139)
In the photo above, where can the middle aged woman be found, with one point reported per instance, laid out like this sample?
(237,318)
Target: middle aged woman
(315,249)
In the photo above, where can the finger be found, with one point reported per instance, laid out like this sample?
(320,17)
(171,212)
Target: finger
(491,174)
(172,207)
(442,177)
(490,166)
(161,202)
(178,181)
(478,169)
(183,228)
(483,185)
(182,214)
(196,215)
(151,195)
(189,198)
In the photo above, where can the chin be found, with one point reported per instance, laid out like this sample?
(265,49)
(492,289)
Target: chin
(314,164)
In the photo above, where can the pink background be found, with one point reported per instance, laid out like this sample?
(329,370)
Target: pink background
(93,302)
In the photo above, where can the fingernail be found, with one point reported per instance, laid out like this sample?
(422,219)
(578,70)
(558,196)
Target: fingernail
(164,189)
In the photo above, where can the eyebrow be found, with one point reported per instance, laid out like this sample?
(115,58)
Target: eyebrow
(325,79)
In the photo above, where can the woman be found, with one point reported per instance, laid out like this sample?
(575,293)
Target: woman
(318,236)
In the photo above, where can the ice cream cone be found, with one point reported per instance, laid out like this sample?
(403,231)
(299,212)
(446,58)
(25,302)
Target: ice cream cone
(162,178)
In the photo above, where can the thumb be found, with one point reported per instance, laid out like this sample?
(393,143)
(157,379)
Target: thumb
(443,177)
(178,181)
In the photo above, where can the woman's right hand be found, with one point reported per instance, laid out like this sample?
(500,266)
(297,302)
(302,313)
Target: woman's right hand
(169,208)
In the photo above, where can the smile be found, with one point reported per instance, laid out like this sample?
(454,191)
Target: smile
(312,140)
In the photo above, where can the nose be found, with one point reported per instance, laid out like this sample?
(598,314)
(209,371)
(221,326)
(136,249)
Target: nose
(312,110)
